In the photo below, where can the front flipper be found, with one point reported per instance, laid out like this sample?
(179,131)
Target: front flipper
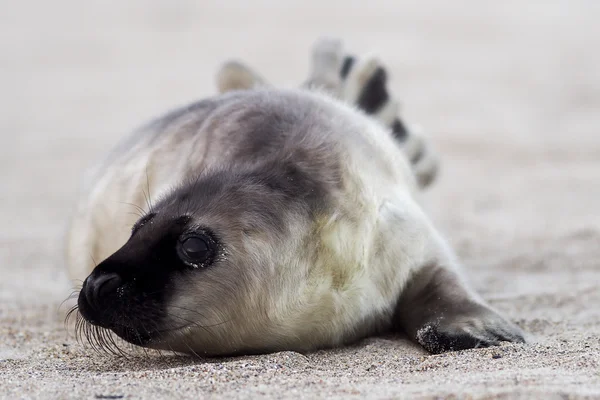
(438,311)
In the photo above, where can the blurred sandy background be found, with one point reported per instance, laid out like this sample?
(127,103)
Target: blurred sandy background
(509,91)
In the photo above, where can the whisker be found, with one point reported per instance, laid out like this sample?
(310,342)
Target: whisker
(205,328)
(100,340)
(148,199)
(200,314)
(74,294)
(138,215)
(183,339)
(93,261)
(139,209)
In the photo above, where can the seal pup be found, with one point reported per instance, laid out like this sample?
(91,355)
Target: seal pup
(285,220)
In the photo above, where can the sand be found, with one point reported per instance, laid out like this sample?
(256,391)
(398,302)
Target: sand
(509,92)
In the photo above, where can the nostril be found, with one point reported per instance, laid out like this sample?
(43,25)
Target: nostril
(99,286)
(97,296)
(106,283)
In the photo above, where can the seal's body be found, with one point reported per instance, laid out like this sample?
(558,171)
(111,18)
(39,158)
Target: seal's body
(285,220)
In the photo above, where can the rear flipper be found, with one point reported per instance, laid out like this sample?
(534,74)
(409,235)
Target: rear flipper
(438,311)
(358,81)
(363,82)
(235,75)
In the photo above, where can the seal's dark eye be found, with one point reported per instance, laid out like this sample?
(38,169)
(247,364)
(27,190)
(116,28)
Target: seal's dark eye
(196,250)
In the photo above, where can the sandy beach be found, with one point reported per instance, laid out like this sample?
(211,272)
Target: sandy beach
(509,93)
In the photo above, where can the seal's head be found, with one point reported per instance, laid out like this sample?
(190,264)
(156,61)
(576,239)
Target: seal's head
(212,267)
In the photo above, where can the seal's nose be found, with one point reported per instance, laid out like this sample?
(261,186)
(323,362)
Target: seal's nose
(103,285)
(98,292)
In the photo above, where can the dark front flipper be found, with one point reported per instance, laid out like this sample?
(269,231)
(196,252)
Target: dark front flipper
(440,313)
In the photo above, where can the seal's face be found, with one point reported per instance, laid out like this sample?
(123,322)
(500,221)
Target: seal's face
(127,292)
(205,267)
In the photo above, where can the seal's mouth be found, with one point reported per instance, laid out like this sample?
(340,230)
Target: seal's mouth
(140,337)
(133,335)
(121,325)
(106,302)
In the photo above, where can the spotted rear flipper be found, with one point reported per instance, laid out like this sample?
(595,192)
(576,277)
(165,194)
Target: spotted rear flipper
(358,81)
(363,81)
